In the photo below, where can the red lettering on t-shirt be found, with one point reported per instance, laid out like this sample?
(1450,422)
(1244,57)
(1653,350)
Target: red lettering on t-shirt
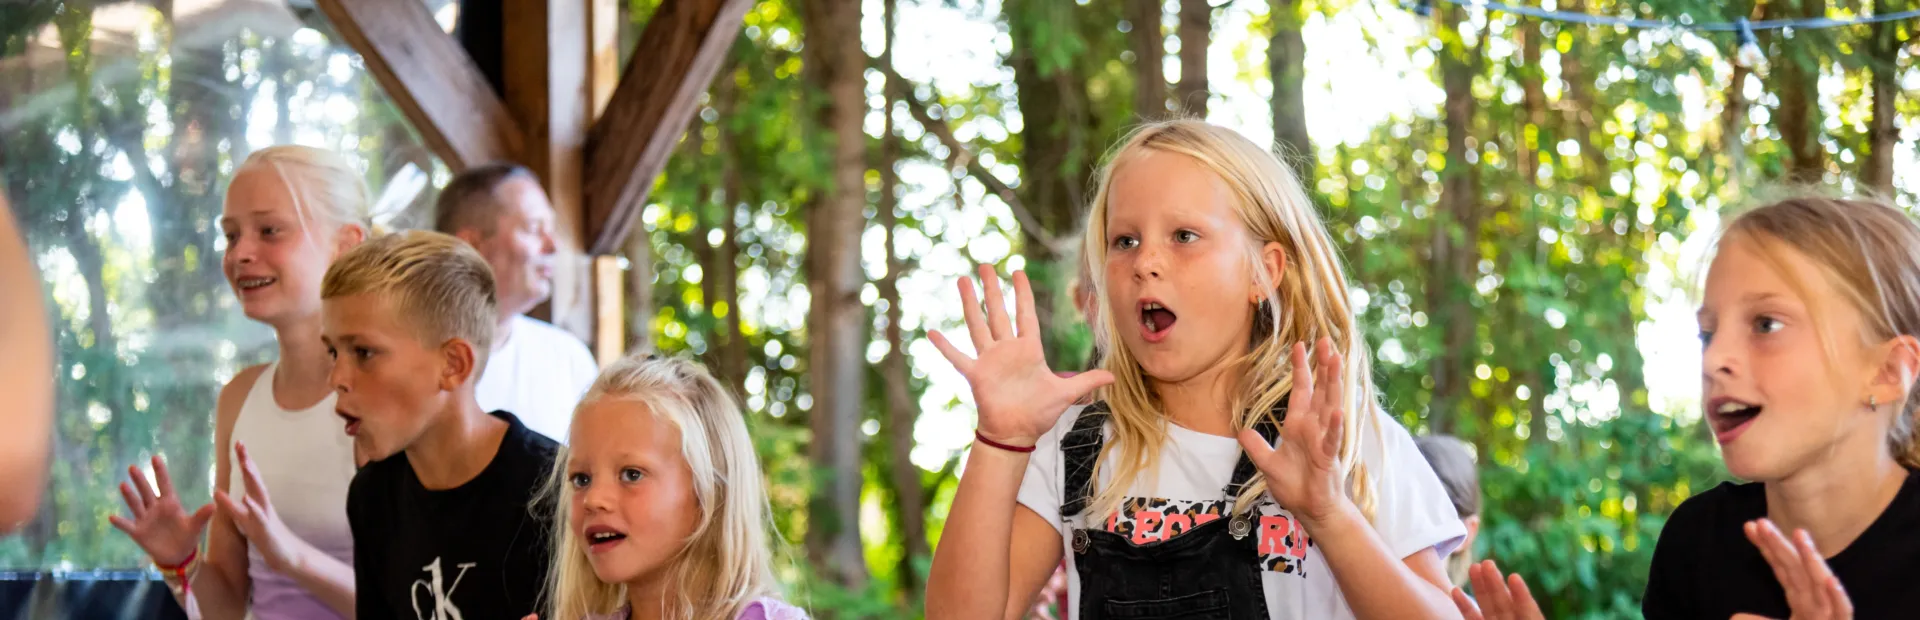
(1148,526)
(1273,534)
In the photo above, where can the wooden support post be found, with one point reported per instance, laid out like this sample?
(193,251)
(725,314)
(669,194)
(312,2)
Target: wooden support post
(610,318)
(546,57)
(430,78)
(603,76)
(679,51)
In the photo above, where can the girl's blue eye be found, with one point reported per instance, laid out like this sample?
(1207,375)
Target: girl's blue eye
(1124,242)
(579,481)
(1766,325)
(1706,337)
(1186,236)
(631,475)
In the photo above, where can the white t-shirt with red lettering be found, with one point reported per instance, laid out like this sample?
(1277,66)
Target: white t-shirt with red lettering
(1413,511)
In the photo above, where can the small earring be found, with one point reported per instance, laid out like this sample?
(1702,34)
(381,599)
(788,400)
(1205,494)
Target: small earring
(1873,402)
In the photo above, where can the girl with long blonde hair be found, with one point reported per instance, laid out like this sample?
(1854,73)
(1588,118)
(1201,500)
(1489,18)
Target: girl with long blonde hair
(278,545)
(1167,493)
(662,510)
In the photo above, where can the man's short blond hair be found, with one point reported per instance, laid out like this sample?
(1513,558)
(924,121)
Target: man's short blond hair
(439,285)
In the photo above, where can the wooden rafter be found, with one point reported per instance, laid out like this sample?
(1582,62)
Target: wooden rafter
(679,51)
(431,79)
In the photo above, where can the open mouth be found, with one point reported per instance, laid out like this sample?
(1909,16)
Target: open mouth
(1730,418)
(1156,320)
(253,284)
(601,538)
(353,423)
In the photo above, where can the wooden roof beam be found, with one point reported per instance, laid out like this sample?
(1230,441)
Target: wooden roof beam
(678,54)
(432,80)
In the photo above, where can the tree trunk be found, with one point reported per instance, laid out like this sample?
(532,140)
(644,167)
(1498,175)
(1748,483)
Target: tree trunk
(1533,101)
(1733,127)
(731,357)
(1286,57)
(1454,250)
(1796,72)
(1148,40)
(1196,32)
(1882,136)
(1056,162)
(836,323)
(901,411)
(639,253)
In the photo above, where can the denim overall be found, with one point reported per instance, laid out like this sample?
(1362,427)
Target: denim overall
(1209,572)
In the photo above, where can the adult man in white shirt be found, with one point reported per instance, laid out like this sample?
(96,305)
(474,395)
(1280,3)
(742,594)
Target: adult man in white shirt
(537,372)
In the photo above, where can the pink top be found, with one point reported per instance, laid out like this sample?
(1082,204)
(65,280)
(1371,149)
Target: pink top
(765,608)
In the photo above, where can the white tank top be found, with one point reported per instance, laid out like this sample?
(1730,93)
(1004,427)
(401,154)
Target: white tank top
(306,459)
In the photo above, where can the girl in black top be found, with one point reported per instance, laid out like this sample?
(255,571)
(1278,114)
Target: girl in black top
(1808,323)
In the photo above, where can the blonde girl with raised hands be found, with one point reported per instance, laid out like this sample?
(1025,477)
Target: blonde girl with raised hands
(277,541)
(1168,495)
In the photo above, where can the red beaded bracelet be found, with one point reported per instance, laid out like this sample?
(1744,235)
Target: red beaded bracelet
(1021,449)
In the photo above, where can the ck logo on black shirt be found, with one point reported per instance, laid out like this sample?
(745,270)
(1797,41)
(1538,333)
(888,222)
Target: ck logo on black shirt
(441,605)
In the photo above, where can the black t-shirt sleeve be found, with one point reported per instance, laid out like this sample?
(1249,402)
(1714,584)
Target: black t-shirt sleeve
(1666,595)
(367,603)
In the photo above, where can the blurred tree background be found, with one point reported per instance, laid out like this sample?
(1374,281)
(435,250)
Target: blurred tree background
(1521,202)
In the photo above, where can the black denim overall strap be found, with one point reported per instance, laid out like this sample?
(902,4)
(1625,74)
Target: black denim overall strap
(1209,572)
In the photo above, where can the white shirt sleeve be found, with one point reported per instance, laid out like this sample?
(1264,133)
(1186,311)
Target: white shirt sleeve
(1413,511)
(580,361)
(1040,488)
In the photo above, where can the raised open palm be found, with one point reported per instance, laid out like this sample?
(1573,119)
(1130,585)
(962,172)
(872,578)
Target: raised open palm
(1019,397)
(256,518)
(1303,472)
(160,525)
(1813,593)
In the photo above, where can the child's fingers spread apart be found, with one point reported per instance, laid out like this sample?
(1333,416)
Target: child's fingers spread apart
(1785,560)
(140,485)
(1327,377)
(161,476)
(970,312)
(997,321)
(1493,590)
(1023,303)
(1257,449)
(134,504)
(1302,397)
(1465,603)
(1332,433)
(959,360)
(1839,605)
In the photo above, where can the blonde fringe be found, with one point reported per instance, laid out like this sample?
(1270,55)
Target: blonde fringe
(1311,301)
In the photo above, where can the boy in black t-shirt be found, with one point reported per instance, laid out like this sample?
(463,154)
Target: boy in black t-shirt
(443,521)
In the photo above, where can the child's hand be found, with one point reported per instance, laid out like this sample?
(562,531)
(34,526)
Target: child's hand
(1018,396)
(1813,593)
(160,525)
(1303,473)
(257,520)
(1500,599)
